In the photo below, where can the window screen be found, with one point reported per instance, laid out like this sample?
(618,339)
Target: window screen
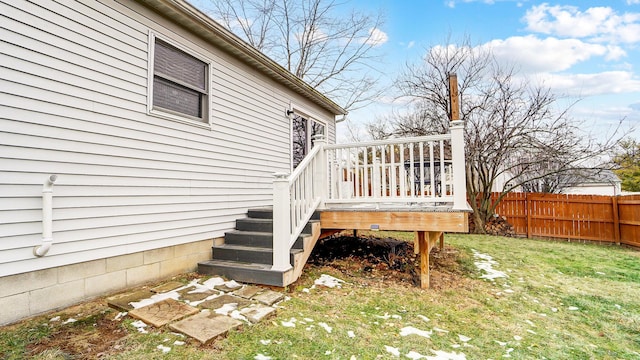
(179,82)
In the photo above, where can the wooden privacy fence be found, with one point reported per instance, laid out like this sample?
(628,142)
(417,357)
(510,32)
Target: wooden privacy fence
(613,219)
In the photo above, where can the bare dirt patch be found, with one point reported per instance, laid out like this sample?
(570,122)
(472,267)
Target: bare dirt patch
(388,259)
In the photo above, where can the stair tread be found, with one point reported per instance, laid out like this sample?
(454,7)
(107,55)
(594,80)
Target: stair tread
(246,265)
(249,248)
(247,232)
(256,220)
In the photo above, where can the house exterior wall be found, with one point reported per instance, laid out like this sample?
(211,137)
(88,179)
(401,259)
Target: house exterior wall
(73,102)
(594,189)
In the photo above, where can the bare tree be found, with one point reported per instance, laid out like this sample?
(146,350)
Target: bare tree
(513,129)
(332,50)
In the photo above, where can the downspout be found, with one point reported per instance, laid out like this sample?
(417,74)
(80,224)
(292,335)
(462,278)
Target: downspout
(47,217)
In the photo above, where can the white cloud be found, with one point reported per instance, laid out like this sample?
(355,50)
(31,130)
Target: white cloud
(633,2)
(533,54)
(609,82)
(377,37)
(598,23)
(413,43)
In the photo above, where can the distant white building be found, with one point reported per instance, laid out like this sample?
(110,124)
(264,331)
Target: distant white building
(604,182)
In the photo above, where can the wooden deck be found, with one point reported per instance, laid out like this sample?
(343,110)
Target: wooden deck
(429,225)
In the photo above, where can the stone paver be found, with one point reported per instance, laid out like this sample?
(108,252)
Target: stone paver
(268,297)
(222,300)
(248,291)
(206,326)
(256,312)
(163,312)
(167,287)
(196,296)
(228,286)
(122,302)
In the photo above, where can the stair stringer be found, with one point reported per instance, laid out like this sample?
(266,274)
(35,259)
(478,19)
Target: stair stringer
(300,259)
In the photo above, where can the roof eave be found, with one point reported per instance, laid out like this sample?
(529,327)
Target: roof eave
(199,23)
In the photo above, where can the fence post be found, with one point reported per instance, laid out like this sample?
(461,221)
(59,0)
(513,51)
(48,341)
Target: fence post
(321,177)
(527,204)
(281,222)
(616,219)
(459,168)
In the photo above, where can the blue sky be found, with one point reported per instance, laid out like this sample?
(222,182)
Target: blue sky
(582,49)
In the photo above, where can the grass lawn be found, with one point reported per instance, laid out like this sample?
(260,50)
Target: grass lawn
(557,301)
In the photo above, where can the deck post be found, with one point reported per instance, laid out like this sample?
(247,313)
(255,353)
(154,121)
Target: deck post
(459,168)
(281,222)
(321,177)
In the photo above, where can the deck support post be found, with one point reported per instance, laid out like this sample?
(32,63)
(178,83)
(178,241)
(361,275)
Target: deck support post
(281,223)
(425,241)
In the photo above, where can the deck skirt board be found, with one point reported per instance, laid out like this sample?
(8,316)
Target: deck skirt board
(394,220)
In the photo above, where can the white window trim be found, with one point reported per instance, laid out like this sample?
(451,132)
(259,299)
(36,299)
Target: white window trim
(150,75)
(310,116)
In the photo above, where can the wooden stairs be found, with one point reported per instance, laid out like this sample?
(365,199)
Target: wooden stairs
(247,252)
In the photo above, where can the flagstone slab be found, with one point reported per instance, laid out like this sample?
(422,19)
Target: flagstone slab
(248,291)
(122,302)
(163,312)
(228,286)
(172,285)
(220,301)
(206,326)
(269,297)
(196,296)
(256,312)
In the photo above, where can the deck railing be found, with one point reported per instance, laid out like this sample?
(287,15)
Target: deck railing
(409,170)
(426,170)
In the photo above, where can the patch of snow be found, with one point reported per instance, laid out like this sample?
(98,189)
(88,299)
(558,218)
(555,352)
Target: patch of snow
(463,338)
(415,355)
(353,357)
(554,309)
(326,327)
(532,332)
(235,314)
(140,325)
(308,320)
(530,322)
(155,298)
(53,319)
(572,308)
(328,352)
(120,315)
(262,357)
(393,351)
(424,318)
(386,316)
(600,273)
(509,291)
(485,264)
(164,349)
(226,309)
(213,282)
(232,284)
(501,343)
(265,342)
(443,355)
(440,330)
(305,290)
(178,343)
(328,281)
(517,337)
(455,346)
(617,306)
(351,334)
(291,323)
(410,330)
(69,321)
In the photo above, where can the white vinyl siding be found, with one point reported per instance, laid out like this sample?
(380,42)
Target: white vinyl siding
(73,102)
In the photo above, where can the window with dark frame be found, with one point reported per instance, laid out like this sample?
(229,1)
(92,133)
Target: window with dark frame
(179,82)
